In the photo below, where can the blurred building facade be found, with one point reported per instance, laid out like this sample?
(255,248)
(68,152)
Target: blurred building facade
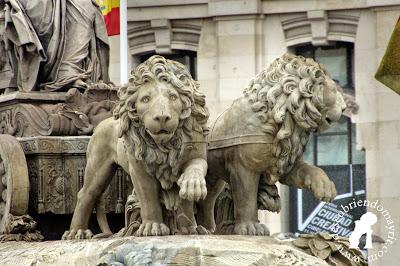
(225,43)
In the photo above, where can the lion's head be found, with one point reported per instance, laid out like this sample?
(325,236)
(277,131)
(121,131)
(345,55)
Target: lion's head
(159,106)
(293,97)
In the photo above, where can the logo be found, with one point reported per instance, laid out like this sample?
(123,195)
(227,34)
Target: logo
(368,224)
(363,226)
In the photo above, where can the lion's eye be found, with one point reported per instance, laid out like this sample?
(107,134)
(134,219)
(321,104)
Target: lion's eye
(173,97)
(182,78)
(145,99)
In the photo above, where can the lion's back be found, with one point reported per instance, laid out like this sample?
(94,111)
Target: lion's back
(105,137)
(107,128)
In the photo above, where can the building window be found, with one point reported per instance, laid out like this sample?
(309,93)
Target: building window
(336,146)
(334,151)
(187,58)
(337,59)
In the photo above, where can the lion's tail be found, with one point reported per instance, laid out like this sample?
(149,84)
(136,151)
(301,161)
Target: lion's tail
(267,199)
(102,218)
(268,196)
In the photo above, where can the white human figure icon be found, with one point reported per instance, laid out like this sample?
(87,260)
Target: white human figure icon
(363,226)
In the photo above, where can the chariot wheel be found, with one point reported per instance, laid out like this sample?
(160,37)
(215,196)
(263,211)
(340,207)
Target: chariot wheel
(14,185)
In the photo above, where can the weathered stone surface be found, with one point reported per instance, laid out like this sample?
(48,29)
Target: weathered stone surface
(157,136)
(282,106)
(170,250)
(46,173)
(56,167)
(41,52)
(333,249)
(71,113)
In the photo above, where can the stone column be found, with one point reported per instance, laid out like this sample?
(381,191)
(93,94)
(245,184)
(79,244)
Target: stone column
(114,59)
(237,55)
(230,50)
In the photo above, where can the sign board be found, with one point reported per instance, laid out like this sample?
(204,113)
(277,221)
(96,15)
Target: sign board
(324,220)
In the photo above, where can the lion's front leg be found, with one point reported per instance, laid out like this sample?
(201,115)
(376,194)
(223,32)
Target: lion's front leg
(192,185)
(310,177)
(147,189)
(192,182)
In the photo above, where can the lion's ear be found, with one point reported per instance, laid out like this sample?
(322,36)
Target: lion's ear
(185,113)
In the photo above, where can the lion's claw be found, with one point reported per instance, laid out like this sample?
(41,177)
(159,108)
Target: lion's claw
(192,185)
(251,228)
(77,234)
(152,229)
(322,187)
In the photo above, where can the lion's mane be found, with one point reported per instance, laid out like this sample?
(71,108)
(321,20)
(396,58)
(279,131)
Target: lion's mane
(161,160)
(287,97)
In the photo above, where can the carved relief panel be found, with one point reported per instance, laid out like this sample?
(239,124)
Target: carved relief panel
(56,168)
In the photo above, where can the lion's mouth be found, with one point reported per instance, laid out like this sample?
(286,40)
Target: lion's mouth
(324,124)
(159,132)
(160,136)
(163,131)
(328,121)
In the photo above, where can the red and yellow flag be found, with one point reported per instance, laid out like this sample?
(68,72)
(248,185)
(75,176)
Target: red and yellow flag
(110,10)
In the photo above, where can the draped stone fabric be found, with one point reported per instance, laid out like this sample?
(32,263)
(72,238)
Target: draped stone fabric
(7,79)
(56,44)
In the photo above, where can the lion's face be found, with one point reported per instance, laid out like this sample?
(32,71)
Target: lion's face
(334,105)
(159,107)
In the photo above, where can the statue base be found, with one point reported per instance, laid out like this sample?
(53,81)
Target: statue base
(168,250)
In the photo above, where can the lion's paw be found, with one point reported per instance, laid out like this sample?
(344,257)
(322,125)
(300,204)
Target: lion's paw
(77,234)
(192,185)
(322,187)
(251,228)
(194,230)
(152,229)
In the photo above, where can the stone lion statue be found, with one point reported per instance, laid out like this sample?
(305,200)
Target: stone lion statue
(261,139)
(157,135)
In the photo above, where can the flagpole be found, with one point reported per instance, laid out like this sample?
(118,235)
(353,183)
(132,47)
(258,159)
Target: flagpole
(123,17)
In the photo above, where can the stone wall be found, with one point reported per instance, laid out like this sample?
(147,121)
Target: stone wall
(378,122)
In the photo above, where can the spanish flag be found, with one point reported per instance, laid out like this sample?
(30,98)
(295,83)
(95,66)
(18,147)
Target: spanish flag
(110,10)
(389,70)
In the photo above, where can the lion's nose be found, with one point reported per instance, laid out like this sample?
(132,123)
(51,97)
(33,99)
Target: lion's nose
(162,118)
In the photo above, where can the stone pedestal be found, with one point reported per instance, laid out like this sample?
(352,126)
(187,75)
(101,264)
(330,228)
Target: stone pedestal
(171,250)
